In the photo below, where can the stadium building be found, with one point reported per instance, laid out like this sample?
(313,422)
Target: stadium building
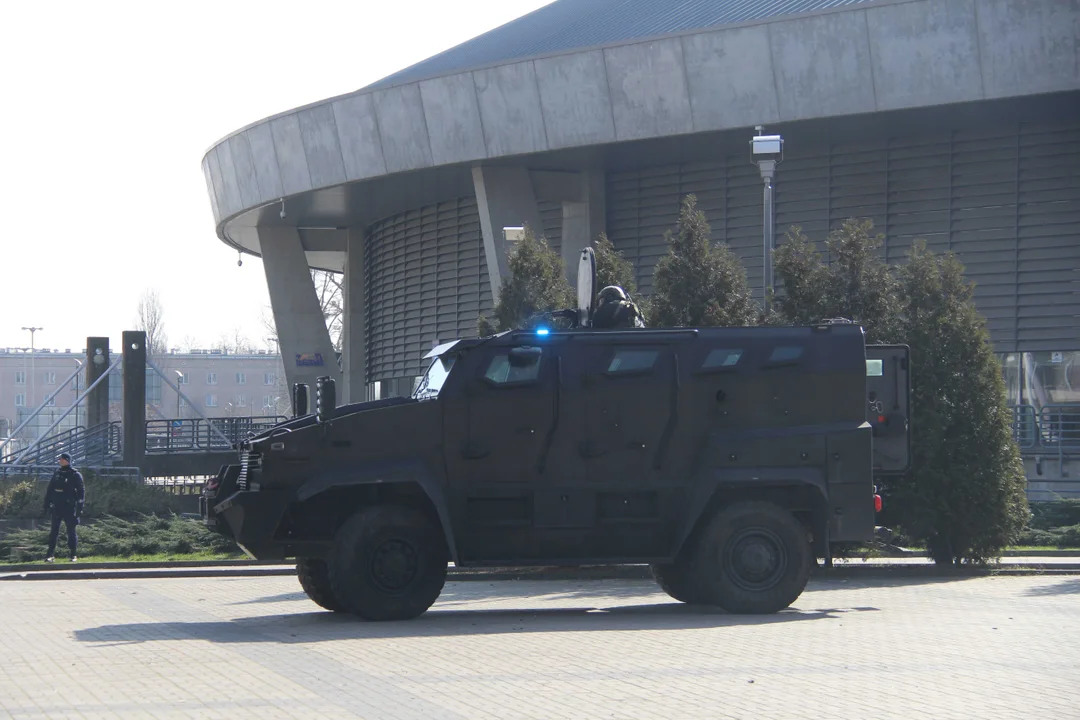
(957,121)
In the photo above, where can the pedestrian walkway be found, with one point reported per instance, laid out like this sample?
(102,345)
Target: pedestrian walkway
(943,648)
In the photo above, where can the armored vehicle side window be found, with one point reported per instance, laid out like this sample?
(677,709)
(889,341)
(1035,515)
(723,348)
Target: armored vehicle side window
(784,354)
(516,366)
(875,368)
(721,358)
(627,360)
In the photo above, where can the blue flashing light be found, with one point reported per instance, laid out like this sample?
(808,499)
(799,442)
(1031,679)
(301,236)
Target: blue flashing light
(542,331)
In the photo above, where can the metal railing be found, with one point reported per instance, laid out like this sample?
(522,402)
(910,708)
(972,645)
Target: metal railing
(1052,428)
(1059,426)
(87,446)
(198,435)
(45,471)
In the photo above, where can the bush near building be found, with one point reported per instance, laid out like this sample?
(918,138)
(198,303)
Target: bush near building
(124,519)
(24,498)
(164,535)
(698,284)
(536,283)
(1054,524)
(964,496)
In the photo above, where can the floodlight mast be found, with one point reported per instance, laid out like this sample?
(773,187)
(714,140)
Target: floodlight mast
(767,152)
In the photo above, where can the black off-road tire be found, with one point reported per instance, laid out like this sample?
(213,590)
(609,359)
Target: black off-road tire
(314,577)
(752,558)
(388,563)
(677,580)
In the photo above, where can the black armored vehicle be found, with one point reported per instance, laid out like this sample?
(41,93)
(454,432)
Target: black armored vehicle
(725,458)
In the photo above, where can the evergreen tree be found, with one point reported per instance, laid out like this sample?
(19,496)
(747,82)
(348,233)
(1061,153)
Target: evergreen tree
(856,284)
(611,267)
(536,283)
(965,494)
(697,284)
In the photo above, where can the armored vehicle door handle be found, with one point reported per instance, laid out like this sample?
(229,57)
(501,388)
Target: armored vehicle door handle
(525,431)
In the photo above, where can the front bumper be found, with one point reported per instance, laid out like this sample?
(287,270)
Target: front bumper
(250,517)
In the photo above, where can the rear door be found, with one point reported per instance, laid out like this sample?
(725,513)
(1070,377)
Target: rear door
(888,406)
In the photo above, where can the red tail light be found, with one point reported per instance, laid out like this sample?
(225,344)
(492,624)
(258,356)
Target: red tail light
(877,503)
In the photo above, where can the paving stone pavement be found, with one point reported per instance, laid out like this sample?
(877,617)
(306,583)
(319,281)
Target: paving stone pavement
(994,647)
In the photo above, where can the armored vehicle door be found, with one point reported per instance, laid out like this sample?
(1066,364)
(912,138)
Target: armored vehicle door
(625,427)
(498,428)
(888,397)
(628,393)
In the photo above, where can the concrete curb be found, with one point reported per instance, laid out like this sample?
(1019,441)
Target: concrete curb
(596,572)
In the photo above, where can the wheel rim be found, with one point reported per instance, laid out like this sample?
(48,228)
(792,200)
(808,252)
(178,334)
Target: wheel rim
(755,559)
(394,564)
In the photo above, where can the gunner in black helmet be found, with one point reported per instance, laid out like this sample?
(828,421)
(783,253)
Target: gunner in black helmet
(615,309)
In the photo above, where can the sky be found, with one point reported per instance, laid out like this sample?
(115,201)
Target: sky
(106,111)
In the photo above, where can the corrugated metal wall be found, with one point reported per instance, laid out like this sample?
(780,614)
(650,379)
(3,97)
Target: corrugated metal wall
(427,281)
(1005,199)
(551,219)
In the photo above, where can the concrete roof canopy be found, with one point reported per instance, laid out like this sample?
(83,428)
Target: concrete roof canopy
(577,74)
(572,24)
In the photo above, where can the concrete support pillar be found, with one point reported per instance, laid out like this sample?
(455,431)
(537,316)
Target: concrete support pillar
(97,362)
(504,198)
(306,350)
(584,212)
(134,397)
(354,321)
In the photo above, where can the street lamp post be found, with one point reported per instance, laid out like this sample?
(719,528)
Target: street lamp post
(767,151)
(179,382)
(77,394)
(32,331)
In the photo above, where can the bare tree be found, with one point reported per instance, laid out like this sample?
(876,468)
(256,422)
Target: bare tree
(269,330)
(151,320)
(235,342)
(329,289)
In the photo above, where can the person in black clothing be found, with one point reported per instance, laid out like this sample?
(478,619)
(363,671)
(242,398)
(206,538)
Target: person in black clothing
(616,310)
(64,499)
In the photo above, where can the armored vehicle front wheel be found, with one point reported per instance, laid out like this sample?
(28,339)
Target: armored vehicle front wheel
(314,578)
(752,557)
(388,563)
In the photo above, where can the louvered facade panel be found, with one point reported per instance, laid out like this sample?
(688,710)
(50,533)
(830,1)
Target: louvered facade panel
(1005,199)
(1048,227)
(427,282)
(551,222)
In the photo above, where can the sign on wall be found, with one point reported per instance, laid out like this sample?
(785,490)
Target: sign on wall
(309,360)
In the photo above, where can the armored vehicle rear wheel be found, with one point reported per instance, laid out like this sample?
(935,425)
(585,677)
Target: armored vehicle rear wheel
(388,563)
(678,581)
(314,577)
(753,557)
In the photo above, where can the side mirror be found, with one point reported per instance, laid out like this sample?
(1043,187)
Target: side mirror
(524,356)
